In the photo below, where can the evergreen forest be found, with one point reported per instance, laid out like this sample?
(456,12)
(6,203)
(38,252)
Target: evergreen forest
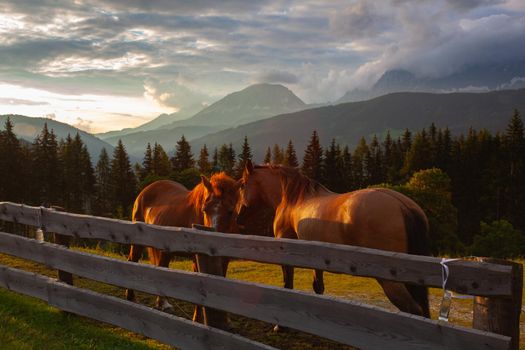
(471,186)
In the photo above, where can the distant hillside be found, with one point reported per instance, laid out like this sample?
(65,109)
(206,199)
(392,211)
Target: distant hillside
(349,121)
(27,128)
(136,142)
(154,124)
(473,78)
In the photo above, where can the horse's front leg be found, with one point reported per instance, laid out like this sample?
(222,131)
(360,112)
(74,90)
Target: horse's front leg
(318,283)
(162,302)
(288,274)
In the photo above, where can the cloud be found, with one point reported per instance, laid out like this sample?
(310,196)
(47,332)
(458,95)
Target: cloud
(171,93)
(182,52)
(83,124)
(276,76)
(360,20)
(514,83)
(472,4)
(18,101)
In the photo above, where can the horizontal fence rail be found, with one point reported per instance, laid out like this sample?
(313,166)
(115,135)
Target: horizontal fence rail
(467,277)
(344,321)
(169,329)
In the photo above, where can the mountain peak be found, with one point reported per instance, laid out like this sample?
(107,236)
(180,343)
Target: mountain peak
(257,101)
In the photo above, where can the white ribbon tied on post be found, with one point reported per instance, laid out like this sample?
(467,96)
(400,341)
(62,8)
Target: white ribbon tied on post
(39,234)
(446,302)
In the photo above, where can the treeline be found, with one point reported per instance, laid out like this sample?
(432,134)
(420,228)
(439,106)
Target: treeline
(471,186)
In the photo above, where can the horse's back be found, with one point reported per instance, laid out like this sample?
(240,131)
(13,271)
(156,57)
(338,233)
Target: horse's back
(374,218)
(163,202)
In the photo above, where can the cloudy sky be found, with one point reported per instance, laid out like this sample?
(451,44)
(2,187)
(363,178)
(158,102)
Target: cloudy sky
(107,64)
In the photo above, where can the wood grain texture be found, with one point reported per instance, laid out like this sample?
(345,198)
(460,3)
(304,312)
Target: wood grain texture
(344,321)
(161,326)
(467,277)
(501,315)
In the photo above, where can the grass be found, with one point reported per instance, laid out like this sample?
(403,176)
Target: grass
(26,323)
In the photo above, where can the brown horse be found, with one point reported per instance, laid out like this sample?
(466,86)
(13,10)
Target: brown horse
(168,203)
(376,218)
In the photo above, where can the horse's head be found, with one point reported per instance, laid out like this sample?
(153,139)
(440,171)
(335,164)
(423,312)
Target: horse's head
(259,187)
(220,201)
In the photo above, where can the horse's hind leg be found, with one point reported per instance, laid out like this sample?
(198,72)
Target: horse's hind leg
(162,302)
(135,253)
(400,296)
(288,273)
(318,283)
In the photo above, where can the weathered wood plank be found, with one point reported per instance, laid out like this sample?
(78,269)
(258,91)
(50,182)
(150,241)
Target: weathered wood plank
(474,278)
(166,328)
(23,282)
(501,315)
(344,321)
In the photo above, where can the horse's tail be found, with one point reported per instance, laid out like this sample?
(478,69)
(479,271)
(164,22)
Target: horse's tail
(416,224)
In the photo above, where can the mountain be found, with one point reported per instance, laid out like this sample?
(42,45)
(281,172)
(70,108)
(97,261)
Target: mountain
(473,78)
(347,122)
(156,123)
(250,104)
(27,129)
(253,103)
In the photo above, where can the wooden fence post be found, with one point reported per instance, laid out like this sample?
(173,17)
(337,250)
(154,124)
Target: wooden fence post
(212,265)
(63,276)
(501,315)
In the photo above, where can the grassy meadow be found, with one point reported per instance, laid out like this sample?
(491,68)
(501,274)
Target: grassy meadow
(27,323)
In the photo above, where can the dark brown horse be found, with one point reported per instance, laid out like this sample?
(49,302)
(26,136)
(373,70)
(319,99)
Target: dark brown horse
(376,218)
(167,203)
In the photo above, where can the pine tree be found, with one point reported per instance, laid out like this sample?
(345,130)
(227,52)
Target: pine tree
(515,155)
(313,158)
(123,182)
(406,141)
(392,160)
(244,156)
(203,163)
(46,169)
(183,158)
(331,170)
(278,155)
(226,159)
(11,157)
(161,163)
(77,178)
(359,164)
(268,156)
(215,161)
(103,191)
(290,157)
(147,163)
(375,166)
(347,171)
(419,156)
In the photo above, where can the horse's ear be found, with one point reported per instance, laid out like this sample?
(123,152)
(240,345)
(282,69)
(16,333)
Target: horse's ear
(206,183)
(249,167)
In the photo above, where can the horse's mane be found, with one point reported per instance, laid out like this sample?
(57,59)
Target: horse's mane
(220,182)
(294,184)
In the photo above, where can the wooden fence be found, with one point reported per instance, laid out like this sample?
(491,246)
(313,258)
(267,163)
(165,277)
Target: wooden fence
(497,286)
